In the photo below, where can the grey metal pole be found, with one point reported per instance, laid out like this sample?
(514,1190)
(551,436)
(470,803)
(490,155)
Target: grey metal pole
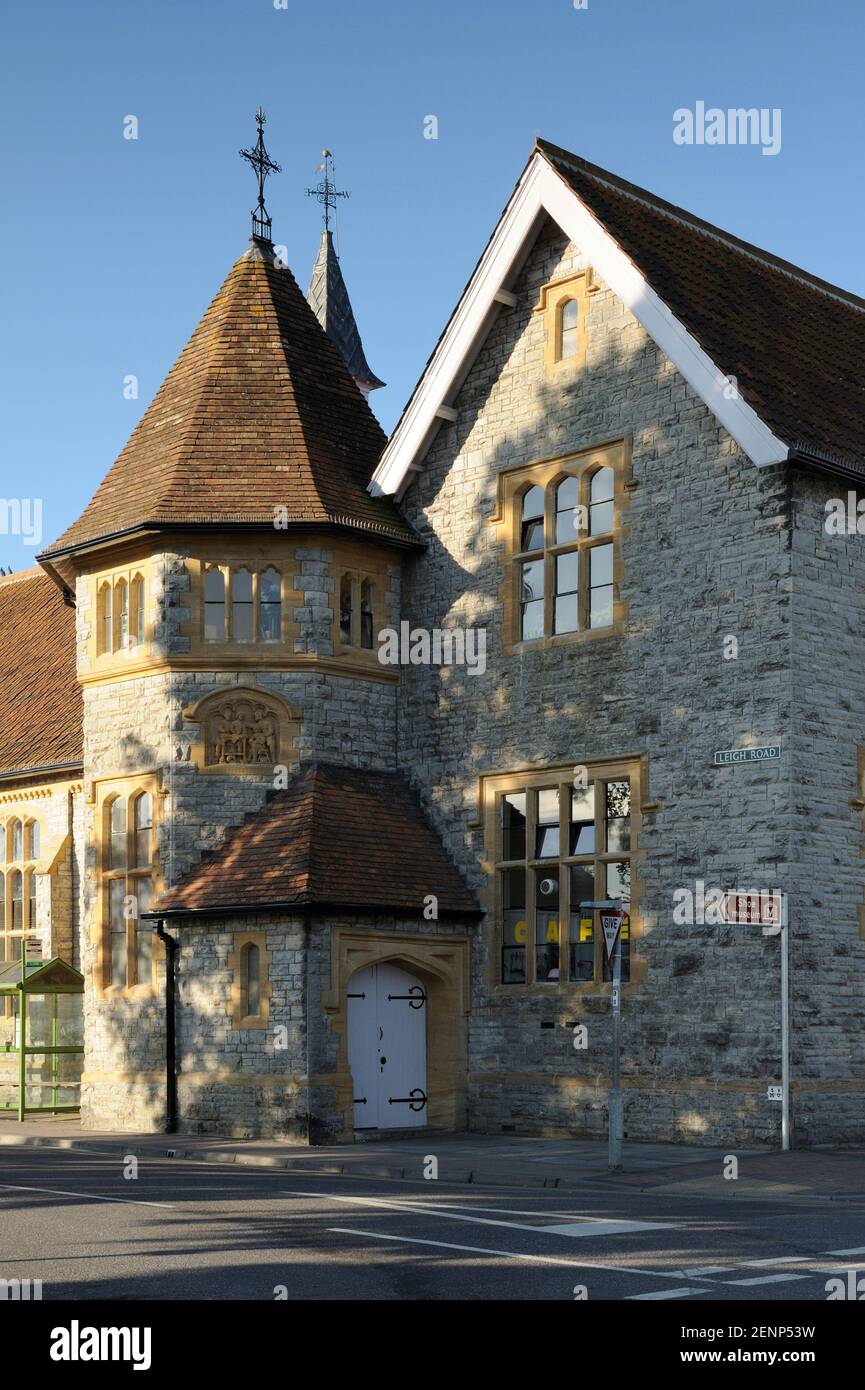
(785,1036)
(616,1108)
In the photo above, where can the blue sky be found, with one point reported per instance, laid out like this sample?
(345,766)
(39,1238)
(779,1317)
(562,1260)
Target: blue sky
(113,248)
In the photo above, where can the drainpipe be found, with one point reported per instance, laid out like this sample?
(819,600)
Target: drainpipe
(171,945)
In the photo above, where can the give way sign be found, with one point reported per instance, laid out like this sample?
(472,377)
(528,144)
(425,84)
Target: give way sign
(611,925)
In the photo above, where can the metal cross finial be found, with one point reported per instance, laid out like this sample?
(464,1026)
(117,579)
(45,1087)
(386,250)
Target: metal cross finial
(263,165)
(327,192)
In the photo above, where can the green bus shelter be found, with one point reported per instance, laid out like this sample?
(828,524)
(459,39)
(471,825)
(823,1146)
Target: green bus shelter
(42,1060)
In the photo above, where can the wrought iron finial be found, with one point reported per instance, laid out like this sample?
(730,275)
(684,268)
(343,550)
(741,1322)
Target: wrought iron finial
(327,192)
(263,165)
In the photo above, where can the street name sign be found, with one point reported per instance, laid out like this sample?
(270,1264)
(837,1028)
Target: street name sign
(769,753)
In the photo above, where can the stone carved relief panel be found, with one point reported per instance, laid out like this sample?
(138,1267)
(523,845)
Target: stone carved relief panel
(243,729)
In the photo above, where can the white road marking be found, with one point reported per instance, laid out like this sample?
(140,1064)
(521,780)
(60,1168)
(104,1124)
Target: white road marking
(85,1196)
(587,1229)
(664,1293)
(705,1269)
(777,1260)
(857,1250)
(765,1279)
(484,1250)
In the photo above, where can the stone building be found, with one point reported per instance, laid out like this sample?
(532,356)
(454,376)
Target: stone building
(365,723)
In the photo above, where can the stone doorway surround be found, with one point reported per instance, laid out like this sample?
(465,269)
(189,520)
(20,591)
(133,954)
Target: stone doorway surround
(442,964)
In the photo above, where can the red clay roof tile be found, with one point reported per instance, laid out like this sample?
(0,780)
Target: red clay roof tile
(40,699)
(259,412)
(336,836)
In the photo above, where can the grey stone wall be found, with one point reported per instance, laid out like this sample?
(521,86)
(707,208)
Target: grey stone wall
(136,724)
(706,554)
(826,873)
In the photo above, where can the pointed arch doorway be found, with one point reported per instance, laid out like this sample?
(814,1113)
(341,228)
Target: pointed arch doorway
(387,1047)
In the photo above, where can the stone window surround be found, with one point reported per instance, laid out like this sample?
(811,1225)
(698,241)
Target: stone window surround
(27,867)
(553,298)
(256,569)
(357,579)
(105,791)
(236,965)
(513,483)
(135,578)
(493,787)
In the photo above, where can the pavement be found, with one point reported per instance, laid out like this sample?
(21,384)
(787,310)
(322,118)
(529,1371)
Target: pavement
(488,1160)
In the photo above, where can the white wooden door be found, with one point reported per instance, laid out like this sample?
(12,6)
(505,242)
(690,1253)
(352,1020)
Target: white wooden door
(387,1010)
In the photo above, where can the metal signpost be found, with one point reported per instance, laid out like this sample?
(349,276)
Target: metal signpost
(612,917)
(769,911)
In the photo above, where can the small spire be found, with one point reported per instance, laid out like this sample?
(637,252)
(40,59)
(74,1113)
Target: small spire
(263,165)
(327,192)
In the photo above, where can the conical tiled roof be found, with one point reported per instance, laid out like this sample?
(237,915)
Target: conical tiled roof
(259,412)
(328,298)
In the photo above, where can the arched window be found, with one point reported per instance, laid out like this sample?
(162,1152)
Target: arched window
(567,511)
(346,604)
(241,606)
(270,606)
(16,893)
(16,842)
(532,520)
(121,608)
(561,529)
(366,614)
(601,502)
(142,824)
(33,840)
(126,867)
(31,901)
(250,981)
(136,611)
(532,570)
(117,833)
(214,606)
(568,341)
(105,619)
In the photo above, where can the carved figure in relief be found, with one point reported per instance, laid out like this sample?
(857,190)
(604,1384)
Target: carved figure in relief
(242,733)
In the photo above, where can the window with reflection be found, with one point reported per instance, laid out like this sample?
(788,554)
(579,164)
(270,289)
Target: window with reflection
(366,618)
(121,604)
(565,562)
(127,889)
(560,847)
(214,606)
(241,606)
(346,606)
(250,980)
(136,611)
(568,333)
(19,852)
(270,606)
(105,618)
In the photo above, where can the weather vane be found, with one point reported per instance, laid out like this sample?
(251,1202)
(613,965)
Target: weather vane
(327,192)
(263,165)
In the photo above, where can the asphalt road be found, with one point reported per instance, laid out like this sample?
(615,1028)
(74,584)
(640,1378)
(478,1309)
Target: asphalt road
(184,1230)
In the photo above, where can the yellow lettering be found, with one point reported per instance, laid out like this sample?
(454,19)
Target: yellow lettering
(521,932)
